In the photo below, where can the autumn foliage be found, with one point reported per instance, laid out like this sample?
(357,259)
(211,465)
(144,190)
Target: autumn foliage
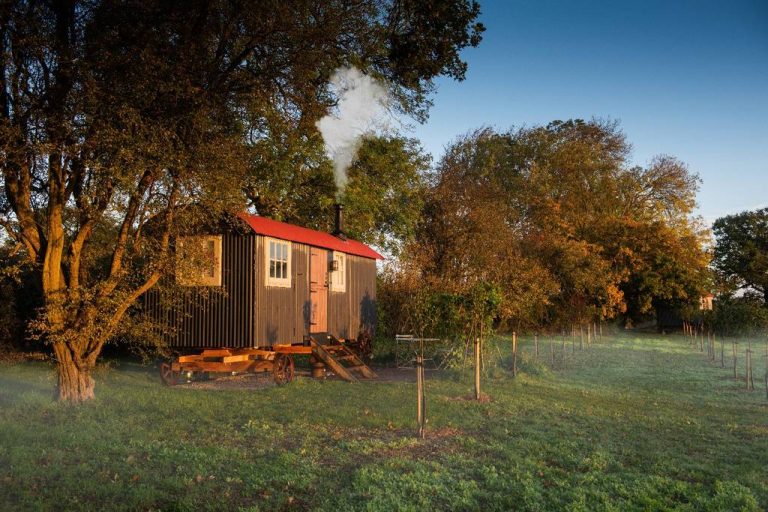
(556,219)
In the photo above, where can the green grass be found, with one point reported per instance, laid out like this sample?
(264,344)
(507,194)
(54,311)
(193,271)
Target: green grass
(637,423)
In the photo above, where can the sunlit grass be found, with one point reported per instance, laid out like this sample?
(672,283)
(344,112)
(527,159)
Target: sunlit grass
(634,423)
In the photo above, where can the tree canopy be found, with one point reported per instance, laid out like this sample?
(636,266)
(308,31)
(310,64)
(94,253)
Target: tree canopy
(558,221)
(114,116)
(741,251)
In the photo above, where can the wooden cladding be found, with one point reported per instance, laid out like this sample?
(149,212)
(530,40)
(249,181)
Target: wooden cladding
(318,290)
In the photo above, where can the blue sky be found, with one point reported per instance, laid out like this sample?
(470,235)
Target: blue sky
(685,78)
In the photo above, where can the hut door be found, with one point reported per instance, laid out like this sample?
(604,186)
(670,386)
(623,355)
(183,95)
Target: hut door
(318,290)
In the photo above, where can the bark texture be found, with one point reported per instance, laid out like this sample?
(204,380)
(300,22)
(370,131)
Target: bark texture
(75,384)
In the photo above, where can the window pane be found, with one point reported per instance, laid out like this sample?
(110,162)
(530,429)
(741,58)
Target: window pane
(271,250)
(271,269)
(285,252)
(285,269)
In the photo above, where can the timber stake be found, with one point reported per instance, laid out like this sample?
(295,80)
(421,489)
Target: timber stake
(477,368)
(514,353)
(421,397)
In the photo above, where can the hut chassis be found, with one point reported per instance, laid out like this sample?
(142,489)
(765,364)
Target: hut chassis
(279,281)
(278,361)
(345,359)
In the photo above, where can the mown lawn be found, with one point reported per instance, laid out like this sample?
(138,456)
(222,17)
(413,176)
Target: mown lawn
(634,423)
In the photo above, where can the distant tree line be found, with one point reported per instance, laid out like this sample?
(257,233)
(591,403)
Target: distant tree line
(740,264)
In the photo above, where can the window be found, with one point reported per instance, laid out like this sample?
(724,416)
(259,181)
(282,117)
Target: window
(278,259)
(339,272)
(198,261)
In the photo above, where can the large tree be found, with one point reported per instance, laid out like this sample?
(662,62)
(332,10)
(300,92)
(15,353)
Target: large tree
(555,217)
(382,199)
(114,115)
(741,250)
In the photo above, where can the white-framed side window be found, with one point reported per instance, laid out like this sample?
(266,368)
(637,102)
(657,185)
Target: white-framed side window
(338,272)
(198,260)
(277,258)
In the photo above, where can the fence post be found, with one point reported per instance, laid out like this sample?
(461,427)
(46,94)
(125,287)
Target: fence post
(722,352)
(477,368)
(735,371)
(565,363)
(421,398)
(552,352)
(573,339)
(751,374)
(581,336)
(766,370)
(514,354)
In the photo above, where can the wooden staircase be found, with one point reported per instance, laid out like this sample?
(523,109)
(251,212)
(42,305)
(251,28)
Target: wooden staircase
(339,358)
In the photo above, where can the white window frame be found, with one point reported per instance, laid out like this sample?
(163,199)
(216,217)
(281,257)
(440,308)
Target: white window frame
(199,276)
(338,276)
(278,281)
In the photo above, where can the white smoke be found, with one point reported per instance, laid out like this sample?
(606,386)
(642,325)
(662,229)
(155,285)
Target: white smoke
(362,102)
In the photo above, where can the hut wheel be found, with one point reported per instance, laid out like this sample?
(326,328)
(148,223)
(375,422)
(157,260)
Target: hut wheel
(169,376)
(283,369)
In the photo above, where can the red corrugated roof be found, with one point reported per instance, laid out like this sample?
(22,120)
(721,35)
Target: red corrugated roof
(284,231)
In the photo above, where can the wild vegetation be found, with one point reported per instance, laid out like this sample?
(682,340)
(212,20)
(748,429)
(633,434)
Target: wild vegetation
(636,422)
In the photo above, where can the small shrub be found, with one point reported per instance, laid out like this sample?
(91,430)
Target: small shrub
(383,349)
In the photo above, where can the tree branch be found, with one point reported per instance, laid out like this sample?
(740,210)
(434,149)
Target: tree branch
(122,238)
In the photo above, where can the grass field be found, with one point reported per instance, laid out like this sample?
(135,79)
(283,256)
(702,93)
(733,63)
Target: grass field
(634,423)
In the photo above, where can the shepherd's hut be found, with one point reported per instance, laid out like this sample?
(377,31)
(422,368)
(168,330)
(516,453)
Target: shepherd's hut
(274,284)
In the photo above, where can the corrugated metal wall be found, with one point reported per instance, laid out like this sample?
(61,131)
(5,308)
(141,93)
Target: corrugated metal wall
(355,309)
(250,314)
(215,319)
(282,314)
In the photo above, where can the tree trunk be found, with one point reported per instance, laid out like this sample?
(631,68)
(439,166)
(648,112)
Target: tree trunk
(75,384)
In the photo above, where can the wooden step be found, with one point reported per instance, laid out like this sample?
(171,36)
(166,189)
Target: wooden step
(334,355)
(332,363)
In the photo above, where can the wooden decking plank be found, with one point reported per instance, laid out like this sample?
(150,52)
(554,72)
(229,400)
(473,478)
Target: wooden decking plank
(191,358)
(213,366)
(292,349)
(216,352)
(359,365)
(236,359)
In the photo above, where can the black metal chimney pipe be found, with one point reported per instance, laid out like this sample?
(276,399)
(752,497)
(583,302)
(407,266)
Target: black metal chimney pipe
(339,225)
